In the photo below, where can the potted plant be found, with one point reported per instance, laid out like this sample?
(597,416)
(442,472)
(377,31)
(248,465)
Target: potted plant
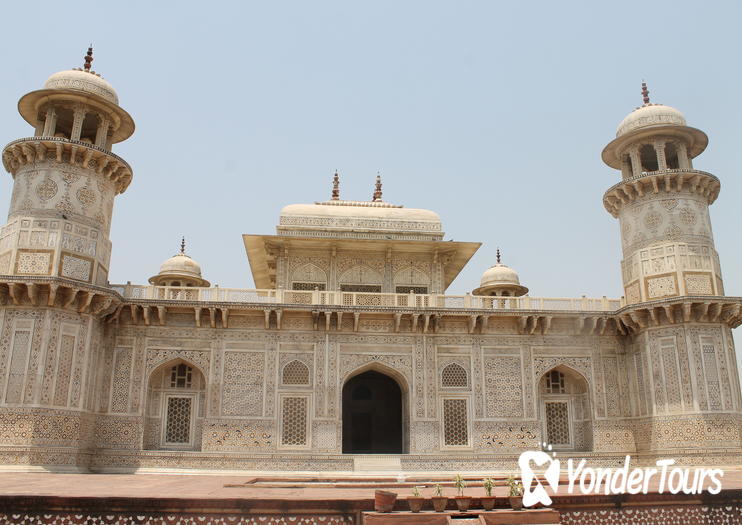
(384,500)
(516,493)
(462,502)
(416,500)
(439,500)
(488,502)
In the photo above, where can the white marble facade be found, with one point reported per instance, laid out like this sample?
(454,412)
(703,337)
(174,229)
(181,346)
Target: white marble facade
(179,375)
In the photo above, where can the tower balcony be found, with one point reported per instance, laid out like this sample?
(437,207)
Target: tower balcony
(31,150)
(670,181)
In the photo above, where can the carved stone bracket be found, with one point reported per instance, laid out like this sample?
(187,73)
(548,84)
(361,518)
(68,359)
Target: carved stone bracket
(58,293)
(665,181)
(36,149)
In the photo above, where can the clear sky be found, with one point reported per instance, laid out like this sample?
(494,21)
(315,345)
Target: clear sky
(492,114)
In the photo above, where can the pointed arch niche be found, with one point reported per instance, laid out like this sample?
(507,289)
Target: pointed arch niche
(411,280)
(176,405)
(565,409)
(309,277)
(361,278)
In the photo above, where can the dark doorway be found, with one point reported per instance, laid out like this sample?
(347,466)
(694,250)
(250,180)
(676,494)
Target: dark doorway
(372,415)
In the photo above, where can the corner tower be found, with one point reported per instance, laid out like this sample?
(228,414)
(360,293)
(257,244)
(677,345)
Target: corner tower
(65,178)
(662,204)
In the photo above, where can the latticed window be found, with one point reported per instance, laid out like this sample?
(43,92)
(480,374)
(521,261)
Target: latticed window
(555,382)
(294,421)
(455,422)
(454,375)
(308,286)
(412,289)
(557,422)
(178,420)
(366,288)
(181,376)
(295,373)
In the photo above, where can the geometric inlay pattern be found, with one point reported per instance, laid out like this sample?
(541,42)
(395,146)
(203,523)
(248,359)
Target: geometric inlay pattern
(75,268)
(661,286)
(178,423)
(33,263)
(173,518)
(698,284)
(455,422)
(557,423)
(242,390)
(294,421)
(295,373)
(454,375)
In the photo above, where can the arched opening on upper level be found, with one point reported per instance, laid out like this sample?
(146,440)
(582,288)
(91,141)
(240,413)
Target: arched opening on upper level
(360,278)
(411,280)
(89,128)
(309,277)
(63,122)
(648,156)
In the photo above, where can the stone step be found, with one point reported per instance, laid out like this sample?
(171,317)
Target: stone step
(372,463)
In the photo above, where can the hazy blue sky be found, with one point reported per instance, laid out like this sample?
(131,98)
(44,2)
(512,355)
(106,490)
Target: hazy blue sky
(493,114)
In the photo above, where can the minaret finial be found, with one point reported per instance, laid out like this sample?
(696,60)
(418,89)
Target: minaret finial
(645,93)
(336,186)
(88,59)
(498,256)
(377,189)
(182,246)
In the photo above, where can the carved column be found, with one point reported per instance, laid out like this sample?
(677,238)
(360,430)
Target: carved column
(101,135)
(683,158)
(626,168)
(50,124)
(332,277)
(636,161)
(387,285)
(40,125)
(659,148)
(79,116)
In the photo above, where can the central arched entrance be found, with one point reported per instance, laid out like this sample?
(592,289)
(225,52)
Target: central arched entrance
(372,415)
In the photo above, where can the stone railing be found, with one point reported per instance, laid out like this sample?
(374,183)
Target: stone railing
(357,299)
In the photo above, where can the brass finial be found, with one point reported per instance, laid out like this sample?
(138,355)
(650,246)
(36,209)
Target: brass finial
(498,256)
(645,93)
(377,189)
(88,59)
(182,246)
(336,186)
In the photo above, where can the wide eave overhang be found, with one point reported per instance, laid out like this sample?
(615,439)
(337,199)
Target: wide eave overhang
(695,138)
(30,104)
(262,251)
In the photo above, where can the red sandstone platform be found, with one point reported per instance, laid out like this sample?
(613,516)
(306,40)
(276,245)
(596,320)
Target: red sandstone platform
(241,500)
(497,517)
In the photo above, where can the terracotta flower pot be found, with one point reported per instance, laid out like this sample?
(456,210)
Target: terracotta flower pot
(463,503)
(384,500)
(488,502)
(415,503)
(439,503)
(516,502)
